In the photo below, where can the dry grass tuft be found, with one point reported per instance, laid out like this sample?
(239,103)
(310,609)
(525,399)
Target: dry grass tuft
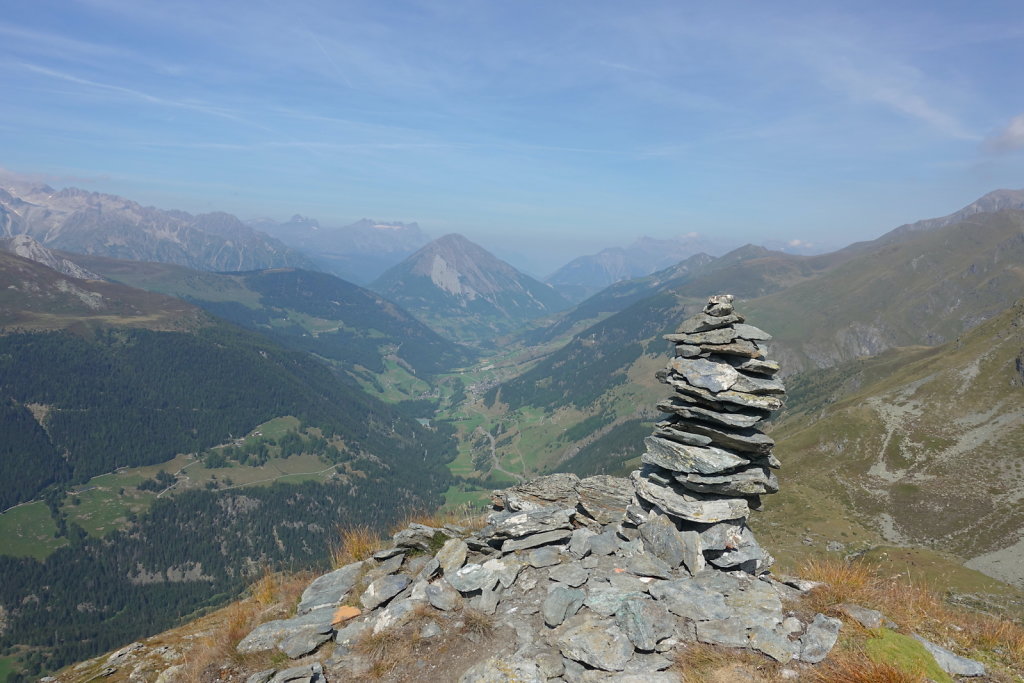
(906,601)
(465,515)
(205,656)
(354,544)
(475,622)
(701,663)
(857,667)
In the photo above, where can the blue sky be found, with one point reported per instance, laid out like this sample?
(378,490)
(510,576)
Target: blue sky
(546,129)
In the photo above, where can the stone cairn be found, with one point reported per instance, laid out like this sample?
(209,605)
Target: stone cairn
(599,578)
(708,464)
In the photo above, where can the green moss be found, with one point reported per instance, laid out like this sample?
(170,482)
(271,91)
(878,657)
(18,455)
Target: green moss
(886,646)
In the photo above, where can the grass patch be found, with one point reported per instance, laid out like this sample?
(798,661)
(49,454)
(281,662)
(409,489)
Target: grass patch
(355,544)
(6,667)
(895,649)
(27,531)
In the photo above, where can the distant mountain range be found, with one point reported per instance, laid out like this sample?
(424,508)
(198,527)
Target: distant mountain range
(356,329)
(359,252)
(465,292)
(587,275)
(106,225)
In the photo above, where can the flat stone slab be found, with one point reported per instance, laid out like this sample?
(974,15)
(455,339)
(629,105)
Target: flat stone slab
(690,410)
(561,603)
(678,457)
(694,507)
(383,589)
(706,374)
(688,599)
(950,662)
(559,489)
(571,574)
(819,638)
(604,498)
(600,645)
(644,622)
(543,538)
(331,589)
(532,522)
(267,636)
(750,481)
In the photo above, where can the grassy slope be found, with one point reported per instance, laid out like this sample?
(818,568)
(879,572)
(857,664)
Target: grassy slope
(922,446)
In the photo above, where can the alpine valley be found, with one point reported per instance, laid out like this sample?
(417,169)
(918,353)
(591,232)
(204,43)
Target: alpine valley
(189,403)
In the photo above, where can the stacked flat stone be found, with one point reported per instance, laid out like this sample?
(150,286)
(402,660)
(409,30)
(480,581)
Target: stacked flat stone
(708,464)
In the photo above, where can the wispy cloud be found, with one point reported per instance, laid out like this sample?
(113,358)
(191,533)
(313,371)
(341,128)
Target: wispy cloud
(1010,138)
(134,94)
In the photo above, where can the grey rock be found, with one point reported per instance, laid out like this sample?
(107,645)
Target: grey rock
(723,536)
(722,335)
(397,612)
(687,598)
(590,561)
(388,553)
(347,636)
(383,589)
(706,374)
(550,663)
(428,570)
(725,632)
(472,577)
(442,596)
(694,507)
(266,636)
(420,536)
(719,305)
(703,322)
(751,481)
(687,351)
(729,396)
(646,663)
(579,543)
(773,643)
(604,543)
(543,557)
(663,540)
(607,601)
(644,622)
(506,570)
(743,440)
(260,676)
(388,566)
(868,618)
(752,333)
(431,629)
(487,601)
(533,522)
(561,603)
(452,555)
(543,538)
(766,386)
(302,643)
(604,498)
(674,431)
(689,409)
(950,662)
(679,457)
(739,347)
(541,492)
(648,564)
(602,646)
(818,639)
(503,670)
(305,672)
(754,365)
(571,574)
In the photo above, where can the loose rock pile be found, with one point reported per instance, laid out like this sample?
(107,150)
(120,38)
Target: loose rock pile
(599,578)
(708,464)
